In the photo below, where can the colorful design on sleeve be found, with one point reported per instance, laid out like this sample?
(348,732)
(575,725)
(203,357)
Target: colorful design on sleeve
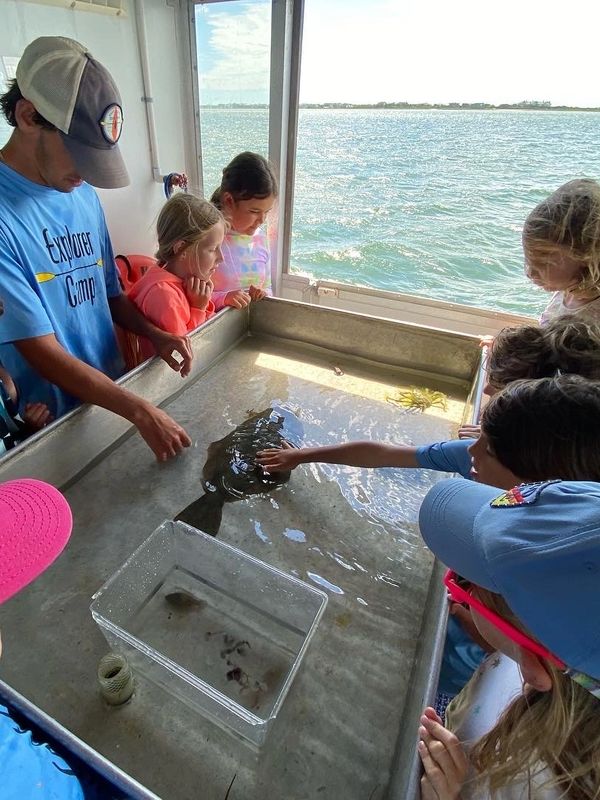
(523,495)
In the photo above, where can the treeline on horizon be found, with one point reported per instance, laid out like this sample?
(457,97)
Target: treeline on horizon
(529,105)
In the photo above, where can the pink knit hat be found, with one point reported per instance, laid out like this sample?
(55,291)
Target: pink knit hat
(35,525)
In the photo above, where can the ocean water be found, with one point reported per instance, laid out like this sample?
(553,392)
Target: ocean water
(423,202)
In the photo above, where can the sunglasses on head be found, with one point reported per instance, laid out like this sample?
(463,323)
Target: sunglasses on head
(460,591)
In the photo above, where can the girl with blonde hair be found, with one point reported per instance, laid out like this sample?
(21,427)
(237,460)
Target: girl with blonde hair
(561,242)
(176,293)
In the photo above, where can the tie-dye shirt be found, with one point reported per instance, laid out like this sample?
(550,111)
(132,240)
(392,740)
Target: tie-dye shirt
(246,262)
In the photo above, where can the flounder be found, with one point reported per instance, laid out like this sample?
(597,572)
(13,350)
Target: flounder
(231,472)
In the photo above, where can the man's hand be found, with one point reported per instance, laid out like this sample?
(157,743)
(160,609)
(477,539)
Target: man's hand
(36,416)
(160,432)
(444,760)
(125,314)
(166,344)
(279,459)
(48,357)
(237,299)
(256,293)
(198,292)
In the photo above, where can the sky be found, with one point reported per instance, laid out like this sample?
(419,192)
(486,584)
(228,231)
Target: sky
(435,51)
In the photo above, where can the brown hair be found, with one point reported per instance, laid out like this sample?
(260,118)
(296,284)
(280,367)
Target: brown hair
(8,104)
(569,218)
(559,729)
(247,176)
(184,218)
(546,428)
(565,344)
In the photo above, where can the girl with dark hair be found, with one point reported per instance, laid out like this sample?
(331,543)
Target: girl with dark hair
(246,195)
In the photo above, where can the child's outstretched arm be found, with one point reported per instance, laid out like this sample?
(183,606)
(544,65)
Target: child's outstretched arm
(353,454)
(445,763)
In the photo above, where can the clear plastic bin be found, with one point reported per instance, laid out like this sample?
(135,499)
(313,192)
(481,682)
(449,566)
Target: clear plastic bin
(219,629)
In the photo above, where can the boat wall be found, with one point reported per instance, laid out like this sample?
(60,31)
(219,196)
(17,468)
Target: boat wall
(417,348)
(398,306)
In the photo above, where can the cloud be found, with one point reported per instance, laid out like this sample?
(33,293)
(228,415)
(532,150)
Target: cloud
(235,67)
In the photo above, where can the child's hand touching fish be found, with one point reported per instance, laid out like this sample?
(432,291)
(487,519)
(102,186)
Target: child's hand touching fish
(280,459)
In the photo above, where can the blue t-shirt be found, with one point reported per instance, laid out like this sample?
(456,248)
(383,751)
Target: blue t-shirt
(57,272)
(31,769)
(449,456)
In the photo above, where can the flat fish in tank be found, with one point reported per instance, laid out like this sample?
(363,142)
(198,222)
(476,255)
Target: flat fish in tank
(231,471)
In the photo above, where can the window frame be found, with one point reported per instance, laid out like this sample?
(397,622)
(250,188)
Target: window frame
(284,92)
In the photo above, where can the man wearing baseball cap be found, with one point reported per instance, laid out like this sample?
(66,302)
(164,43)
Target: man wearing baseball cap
(59,291)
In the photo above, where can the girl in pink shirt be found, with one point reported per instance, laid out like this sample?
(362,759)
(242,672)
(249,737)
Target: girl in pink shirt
(176,294)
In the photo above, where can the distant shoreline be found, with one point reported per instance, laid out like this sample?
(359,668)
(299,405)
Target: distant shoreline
(523,106)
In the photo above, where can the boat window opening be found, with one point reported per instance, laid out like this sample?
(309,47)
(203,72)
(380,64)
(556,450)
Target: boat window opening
(415,169)
(233,44)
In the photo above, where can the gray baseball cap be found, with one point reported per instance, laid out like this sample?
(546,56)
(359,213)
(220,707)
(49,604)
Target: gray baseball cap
(77,95)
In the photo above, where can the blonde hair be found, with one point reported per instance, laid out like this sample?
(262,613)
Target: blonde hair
(570,219)
(184,218)
(559,729)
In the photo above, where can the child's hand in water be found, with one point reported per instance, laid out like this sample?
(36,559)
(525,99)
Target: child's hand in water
(279,459)
(36,416)
(198,292)
(444,760)
(256,293)
(237,298)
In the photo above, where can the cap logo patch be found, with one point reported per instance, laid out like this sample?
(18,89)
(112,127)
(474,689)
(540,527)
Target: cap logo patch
(111,123)
(523,495)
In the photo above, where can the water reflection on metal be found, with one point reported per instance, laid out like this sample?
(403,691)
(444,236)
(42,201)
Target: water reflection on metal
(295,535)
(324,584)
